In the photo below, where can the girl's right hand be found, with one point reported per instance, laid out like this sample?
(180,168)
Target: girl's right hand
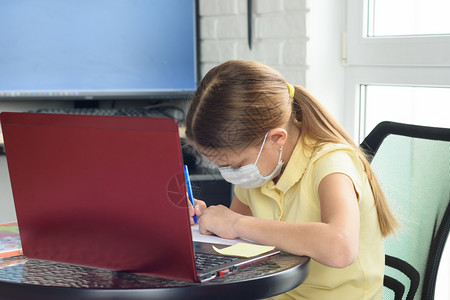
(200,206)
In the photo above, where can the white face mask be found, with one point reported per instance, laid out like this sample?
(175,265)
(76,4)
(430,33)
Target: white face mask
(249,176)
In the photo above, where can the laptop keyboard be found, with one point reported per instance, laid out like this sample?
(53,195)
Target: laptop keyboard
(204,261)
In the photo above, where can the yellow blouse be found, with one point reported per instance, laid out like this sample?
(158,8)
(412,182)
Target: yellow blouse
(295,199)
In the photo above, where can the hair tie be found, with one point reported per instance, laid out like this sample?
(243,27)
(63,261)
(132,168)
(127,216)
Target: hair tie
(291,89)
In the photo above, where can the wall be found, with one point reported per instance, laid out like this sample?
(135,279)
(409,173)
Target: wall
(279,35)
(325,24)
(301,39)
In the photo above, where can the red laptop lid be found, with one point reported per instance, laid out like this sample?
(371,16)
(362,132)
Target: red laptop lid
(100,191)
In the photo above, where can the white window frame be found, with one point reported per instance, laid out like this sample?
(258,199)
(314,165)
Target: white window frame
(403,60)
(394,50)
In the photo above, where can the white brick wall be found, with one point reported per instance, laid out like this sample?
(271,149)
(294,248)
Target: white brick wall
(279,35)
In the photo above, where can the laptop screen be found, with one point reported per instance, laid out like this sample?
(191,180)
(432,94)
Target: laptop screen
(100,191)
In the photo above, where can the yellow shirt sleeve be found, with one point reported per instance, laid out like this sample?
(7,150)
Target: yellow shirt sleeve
(339,161)
(242,194)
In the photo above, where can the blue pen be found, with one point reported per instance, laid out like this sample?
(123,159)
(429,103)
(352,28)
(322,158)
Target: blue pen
(189,189)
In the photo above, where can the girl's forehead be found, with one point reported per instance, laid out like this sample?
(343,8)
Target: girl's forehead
(225,157)
(220,157)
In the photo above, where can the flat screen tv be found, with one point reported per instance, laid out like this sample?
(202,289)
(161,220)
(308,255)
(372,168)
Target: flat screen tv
(98,49)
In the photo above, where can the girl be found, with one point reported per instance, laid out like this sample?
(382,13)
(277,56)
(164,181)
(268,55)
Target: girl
(301,184)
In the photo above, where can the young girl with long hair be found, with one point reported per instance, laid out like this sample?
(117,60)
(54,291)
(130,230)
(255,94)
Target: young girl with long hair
(301,183)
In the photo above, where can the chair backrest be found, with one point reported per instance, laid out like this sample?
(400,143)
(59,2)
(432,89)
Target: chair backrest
(412,165)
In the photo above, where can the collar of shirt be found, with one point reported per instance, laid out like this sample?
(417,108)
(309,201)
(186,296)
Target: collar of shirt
(294,170)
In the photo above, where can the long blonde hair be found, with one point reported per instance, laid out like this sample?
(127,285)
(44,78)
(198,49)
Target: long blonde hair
(237,102)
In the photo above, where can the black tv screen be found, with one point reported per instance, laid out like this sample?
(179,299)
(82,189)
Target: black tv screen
(97,49)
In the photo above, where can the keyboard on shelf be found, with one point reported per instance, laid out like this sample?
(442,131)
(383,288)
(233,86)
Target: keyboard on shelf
(132,112)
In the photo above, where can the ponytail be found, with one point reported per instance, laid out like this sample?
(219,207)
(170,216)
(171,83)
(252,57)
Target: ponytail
(317,123)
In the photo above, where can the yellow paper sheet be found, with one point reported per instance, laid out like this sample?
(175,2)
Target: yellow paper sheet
(244,250)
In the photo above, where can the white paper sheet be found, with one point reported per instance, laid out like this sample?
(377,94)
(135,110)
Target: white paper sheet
(214,239)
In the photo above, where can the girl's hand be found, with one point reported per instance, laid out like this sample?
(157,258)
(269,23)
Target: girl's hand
(219,220)
(200,206)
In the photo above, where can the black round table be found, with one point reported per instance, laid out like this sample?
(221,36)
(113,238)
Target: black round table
(22,278)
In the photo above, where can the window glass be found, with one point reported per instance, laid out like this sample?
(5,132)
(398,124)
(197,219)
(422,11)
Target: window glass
(408,17)
(429,106)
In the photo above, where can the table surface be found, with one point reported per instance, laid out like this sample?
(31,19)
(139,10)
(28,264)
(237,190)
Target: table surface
(22,278)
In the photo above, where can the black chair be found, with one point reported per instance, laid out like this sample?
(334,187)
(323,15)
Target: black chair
(412,164)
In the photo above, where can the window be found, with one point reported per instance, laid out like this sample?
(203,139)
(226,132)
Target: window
(406,104)
(398,68)
(407,17)
(397,63)
(380,36)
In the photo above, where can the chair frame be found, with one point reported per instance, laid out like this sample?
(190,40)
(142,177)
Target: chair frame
(370,146)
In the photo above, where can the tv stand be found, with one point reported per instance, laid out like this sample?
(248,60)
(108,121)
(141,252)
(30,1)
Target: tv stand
(86,104)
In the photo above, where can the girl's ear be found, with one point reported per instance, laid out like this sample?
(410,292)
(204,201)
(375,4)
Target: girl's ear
(278,136)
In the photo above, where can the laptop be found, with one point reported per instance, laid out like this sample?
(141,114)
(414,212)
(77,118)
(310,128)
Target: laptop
(106,192)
